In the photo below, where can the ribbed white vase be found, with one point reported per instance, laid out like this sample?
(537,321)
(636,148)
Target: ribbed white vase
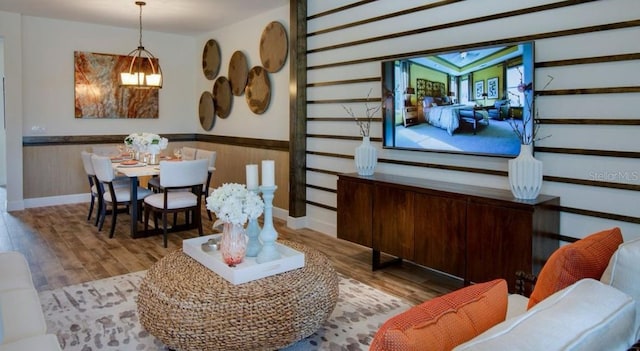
(525,174)
(366,158)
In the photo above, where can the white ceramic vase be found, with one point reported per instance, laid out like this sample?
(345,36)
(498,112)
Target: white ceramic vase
(366,158)
(525,174)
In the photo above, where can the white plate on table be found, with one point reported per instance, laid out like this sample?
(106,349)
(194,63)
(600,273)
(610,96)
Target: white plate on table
(139,164)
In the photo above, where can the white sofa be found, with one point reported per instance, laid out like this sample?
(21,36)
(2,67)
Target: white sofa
(588,315)
(22,324)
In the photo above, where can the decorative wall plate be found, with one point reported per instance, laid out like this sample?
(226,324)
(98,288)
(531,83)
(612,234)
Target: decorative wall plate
(222,97)
(274,45)
(238,71)
(211,59)
(207,111)
(258,90)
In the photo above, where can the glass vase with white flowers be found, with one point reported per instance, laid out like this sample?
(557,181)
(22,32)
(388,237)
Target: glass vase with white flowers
(146,142)
(233,206)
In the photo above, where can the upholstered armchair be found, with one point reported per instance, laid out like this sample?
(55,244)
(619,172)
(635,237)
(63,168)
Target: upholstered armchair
(500,110)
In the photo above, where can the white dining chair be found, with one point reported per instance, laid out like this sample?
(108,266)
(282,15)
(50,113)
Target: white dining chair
(188,153)
(210,156)
(93,185)
(175,176)
(94,188)
(113,195)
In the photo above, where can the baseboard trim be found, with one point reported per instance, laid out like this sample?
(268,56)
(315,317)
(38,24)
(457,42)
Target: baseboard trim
(57,200)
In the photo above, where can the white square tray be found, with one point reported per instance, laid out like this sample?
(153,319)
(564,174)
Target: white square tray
(249,269)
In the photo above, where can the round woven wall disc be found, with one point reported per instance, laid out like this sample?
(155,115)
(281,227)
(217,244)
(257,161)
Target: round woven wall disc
(211,59)
(207,111)
(258,90)
(222,97)
(273,47)
(238,71)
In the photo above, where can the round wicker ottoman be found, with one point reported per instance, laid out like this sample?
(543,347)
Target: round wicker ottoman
(189,307)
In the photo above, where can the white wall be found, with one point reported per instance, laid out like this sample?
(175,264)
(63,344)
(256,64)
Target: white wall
(244,36)
(576,168)
(48,47)
(3,134)
(11,30)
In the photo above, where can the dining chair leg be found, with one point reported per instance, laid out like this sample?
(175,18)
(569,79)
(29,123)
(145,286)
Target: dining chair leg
(114,216)
(164,227)
(103,214)
(147,209)
(197,218)
(93,200)
(99,210)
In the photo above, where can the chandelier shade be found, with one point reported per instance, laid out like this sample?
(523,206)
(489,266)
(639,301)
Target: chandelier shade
(143,71)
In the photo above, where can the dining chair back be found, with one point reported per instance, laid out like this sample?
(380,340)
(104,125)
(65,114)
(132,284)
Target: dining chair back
(96,194)
(111,193)
(105,150)
(188,153)
(175,176)
(210,156)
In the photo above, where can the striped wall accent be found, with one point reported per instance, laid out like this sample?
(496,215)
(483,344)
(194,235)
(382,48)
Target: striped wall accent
(590,109)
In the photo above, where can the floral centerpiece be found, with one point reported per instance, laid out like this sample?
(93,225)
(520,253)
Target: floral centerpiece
(146,142)
(234,205)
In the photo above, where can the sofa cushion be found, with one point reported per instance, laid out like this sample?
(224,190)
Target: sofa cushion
(47,342)
(586,316)
(21,314)
(14,271)
(585,258)
(623,271)
(445,321)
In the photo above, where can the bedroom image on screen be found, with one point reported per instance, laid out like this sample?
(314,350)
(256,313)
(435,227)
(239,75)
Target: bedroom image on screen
(463,102)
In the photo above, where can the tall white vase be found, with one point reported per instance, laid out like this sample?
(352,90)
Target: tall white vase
(525,174)
(366,158)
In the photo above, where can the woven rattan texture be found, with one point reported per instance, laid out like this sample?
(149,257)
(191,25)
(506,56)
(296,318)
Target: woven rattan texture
(189,307)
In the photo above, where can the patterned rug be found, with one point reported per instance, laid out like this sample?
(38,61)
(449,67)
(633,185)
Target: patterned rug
(101,315)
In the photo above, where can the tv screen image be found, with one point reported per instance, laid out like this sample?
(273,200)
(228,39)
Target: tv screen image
(465,102)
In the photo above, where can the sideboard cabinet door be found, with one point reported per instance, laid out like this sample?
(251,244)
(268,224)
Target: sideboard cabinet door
(439,233)
(393,221)
(355,205)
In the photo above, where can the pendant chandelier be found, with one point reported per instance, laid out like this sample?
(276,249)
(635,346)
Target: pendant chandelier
(144,70)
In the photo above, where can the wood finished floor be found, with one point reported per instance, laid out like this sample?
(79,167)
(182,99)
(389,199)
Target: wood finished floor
(63,248)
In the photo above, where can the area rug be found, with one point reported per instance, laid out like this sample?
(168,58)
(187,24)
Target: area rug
(101,315)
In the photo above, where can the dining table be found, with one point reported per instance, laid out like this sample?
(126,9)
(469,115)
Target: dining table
(134,172)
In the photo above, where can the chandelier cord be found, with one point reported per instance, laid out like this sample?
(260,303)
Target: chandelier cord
(140,3)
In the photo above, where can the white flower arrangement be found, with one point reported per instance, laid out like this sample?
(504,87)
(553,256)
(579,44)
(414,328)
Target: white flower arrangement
(144,141)
(233,203)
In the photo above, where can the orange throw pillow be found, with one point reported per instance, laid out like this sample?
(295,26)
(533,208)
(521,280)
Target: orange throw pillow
(585,258)
(446,321)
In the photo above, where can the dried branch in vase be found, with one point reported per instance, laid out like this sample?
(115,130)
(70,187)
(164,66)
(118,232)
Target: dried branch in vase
(364,123)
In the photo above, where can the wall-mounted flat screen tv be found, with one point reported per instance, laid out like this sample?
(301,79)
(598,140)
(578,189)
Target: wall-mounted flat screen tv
(465,102)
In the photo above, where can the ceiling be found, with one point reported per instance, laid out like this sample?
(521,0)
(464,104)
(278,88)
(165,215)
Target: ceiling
(187,17)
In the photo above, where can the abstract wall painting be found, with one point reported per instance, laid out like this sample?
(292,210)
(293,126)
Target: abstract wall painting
(98,94)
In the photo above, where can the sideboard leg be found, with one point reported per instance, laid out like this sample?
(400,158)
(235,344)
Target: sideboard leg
(376,264)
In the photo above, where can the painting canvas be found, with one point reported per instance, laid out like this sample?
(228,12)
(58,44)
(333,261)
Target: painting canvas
(98,94)
(479,89)
(492,88)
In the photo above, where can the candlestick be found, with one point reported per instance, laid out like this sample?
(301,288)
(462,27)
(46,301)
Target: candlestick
(252,177)
(253,230)
(268,173)
(268,235)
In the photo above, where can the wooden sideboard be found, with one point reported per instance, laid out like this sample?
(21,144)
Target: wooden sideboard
(471,232)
